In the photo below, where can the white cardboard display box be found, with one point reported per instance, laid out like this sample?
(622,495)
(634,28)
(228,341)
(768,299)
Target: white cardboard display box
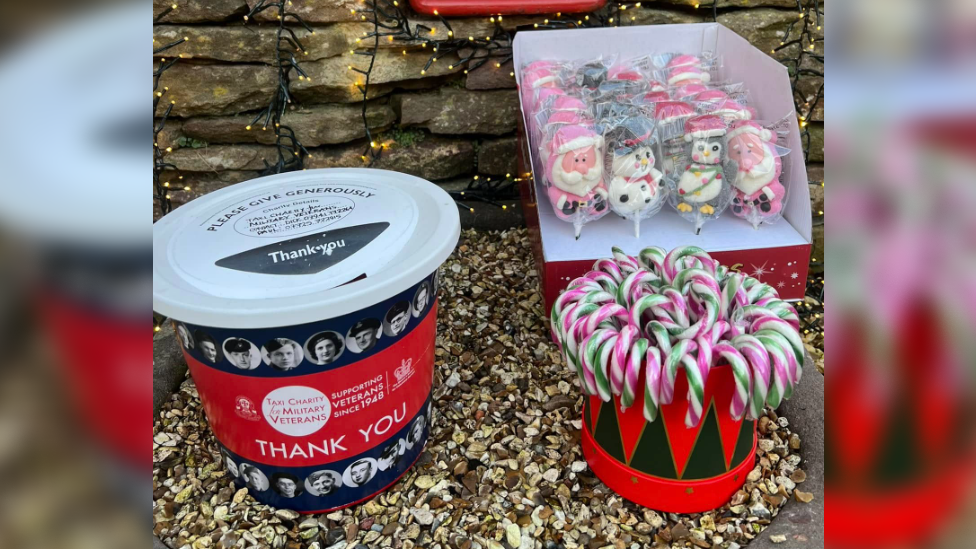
(777,254)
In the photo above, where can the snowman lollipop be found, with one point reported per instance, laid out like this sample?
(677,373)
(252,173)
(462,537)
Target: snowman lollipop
(637,188)
(705,187)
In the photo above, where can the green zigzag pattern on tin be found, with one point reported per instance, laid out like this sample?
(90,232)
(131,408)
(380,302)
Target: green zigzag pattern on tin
(744,448)
(653,454)
(899,458)
(707,457)
(607,433)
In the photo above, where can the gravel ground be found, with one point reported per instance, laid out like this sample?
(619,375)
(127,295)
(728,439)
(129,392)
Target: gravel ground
(503,468)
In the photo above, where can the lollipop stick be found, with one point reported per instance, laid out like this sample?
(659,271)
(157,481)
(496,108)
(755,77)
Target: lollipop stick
(637,229)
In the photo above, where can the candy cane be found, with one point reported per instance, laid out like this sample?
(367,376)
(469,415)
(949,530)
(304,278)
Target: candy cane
(781,384)
(601,367)
(589,358)
(660,334)
(733,294)
(784,329)
(754,352)
(640,348)
(652,393)
(644,304)
(627,263)
(775,339)
(609,267)
(619,359)
(607,316)
(629,289)
(653,259)
(743,379)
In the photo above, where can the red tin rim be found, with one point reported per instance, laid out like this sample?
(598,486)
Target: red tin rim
(665,495)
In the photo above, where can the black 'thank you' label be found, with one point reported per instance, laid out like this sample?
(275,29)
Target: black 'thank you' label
(307,254)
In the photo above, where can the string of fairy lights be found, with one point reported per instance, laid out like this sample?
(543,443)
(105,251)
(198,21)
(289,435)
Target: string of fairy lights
(162,190)
(392,25)
(291,154)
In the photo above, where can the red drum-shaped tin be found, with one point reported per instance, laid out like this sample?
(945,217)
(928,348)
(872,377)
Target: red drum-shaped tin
(306,308)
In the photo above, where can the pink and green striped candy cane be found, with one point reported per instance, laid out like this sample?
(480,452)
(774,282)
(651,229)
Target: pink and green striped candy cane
(635,359)
(652,259)
(680,356)
(755,354)
(793,374)
(743,379)
(689,257)
(644,304)
(733,294)
(590,358)
(786,331)
(781,384)
(609,315)
(653,377)
(619,359)
(611,268)
(628,264)
(705,290)
(633,287)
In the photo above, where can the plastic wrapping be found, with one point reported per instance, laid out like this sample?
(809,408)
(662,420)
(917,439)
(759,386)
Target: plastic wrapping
(704,188)
(760,195)
(637,188)
(573,160)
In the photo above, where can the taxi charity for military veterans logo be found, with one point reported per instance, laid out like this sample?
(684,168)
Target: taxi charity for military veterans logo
(297,411)
(245,409)
(403,373)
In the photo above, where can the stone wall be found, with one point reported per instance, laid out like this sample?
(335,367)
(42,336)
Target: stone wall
(445,125)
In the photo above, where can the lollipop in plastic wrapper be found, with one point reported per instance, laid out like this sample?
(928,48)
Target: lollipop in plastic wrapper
(637,187)
(574,174)
(704,188)
(592,74)
(687,69)
(731,111)
(671,117)
(713,96)
(689,92)
(759,193)
(655,97)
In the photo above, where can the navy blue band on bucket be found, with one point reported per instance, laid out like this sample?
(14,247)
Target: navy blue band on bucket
(377,469)
(213,347)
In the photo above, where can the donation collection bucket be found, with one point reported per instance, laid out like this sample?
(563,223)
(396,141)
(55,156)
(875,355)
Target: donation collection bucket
(306,307)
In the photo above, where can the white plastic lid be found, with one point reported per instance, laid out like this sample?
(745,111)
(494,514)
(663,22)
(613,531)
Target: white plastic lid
(299,248)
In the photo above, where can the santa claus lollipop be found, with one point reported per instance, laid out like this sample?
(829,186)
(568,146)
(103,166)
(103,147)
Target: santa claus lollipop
(705,186)
(574,171)
(759,195)
(637,188)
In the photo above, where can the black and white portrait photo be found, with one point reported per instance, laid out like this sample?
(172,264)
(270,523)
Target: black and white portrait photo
(207,347)
(286,486)
(254,478)
(231,466)
(242,354)
(186,340)
(421,299)
(391,455)
(282,354)
(360,472)
(397,319)
(416,434)
(323,483)
(364,335)
(324,348)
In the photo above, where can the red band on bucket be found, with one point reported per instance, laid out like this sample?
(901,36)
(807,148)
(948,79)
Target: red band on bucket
(321,418)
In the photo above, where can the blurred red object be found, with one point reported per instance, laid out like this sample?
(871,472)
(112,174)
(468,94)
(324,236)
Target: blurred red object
(453,8)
